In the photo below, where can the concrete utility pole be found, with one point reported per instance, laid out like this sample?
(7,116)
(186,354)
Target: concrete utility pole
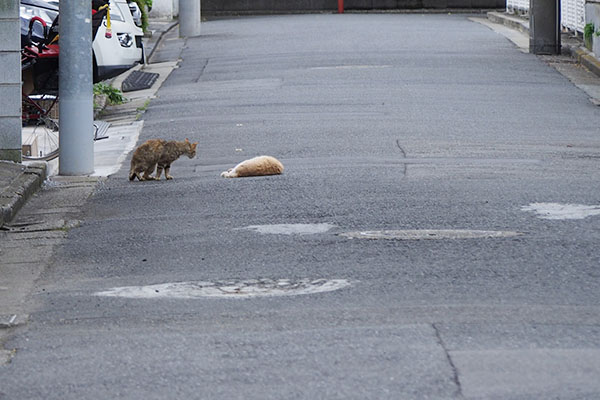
(10,81)
(76,112)
(544,21)
(189,18)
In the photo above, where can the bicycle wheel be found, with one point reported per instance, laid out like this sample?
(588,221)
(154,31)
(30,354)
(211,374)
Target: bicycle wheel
(40,131)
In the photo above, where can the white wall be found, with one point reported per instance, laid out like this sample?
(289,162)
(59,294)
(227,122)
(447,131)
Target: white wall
(165,9)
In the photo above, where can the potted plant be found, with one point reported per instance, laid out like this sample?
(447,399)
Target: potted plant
(588,33)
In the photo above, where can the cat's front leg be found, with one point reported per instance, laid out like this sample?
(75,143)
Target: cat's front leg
(167,168)
(159,170)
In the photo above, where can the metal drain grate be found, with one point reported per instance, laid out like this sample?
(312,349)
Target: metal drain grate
(100,129)
(139,80)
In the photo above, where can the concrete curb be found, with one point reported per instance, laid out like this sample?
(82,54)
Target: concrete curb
(149,48)
(585,58)
(13,197)
(157,36)
(517,23)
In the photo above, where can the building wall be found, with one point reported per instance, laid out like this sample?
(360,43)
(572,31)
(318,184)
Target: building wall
(164,9)
(10,81)
(211,7)
(592,15)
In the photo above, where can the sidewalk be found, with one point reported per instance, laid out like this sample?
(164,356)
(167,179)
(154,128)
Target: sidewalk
(18,182)
(571,45)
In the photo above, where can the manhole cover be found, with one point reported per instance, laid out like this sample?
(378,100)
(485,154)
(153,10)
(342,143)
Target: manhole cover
(228,289)
(428,234)
(290,229)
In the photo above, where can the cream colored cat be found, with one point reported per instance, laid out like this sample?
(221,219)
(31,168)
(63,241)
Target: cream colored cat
(257,166)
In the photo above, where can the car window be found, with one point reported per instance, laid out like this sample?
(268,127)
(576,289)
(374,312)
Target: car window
(27,12)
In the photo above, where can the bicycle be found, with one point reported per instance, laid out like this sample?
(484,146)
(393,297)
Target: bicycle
(39,66)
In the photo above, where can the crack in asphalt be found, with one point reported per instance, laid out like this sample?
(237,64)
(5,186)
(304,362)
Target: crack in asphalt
(455,377)
(405,165)
(202,70)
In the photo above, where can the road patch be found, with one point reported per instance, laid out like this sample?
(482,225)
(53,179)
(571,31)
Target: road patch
(227,289)
(290,229)
(559,211)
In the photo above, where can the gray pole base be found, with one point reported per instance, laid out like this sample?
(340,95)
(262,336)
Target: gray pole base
(189,18)
(544,26)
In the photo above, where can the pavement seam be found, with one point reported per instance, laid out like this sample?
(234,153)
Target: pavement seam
(455,377)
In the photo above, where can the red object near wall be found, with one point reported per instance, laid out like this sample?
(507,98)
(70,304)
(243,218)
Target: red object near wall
(340,6)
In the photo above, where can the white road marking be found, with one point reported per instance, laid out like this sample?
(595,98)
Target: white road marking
(227,289)
(290,229)
(334,67)
(428,234)
(110,153)
(559,211)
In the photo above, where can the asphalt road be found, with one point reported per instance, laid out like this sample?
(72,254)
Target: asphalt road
(383,122)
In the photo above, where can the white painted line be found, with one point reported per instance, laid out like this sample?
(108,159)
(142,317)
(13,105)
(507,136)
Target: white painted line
(428,234)
(290,229)
(349,67)
(227,289)
(557,211)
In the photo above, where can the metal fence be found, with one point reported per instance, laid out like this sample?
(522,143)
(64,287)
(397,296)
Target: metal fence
(572,12)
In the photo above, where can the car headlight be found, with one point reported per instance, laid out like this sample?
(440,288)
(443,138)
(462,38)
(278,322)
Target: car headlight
(125,39)
(136,14)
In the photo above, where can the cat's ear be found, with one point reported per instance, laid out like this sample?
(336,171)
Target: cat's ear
(187,140)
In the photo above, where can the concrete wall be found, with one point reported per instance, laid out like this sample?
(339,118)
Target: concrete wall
(212,7)
(10,81)
(592,14)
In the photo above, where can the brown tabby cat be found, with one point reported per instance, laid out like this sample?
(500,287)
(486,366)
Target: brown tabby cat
(257,166)
(158,152)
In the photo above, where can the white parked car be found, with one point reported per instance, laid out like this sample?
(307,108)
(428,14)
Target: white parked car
(113,53)
(123,48)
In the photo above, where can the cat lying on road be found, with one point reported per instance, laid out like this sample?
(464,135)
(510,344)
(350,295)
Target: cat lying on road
(161,153)
(257,166)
